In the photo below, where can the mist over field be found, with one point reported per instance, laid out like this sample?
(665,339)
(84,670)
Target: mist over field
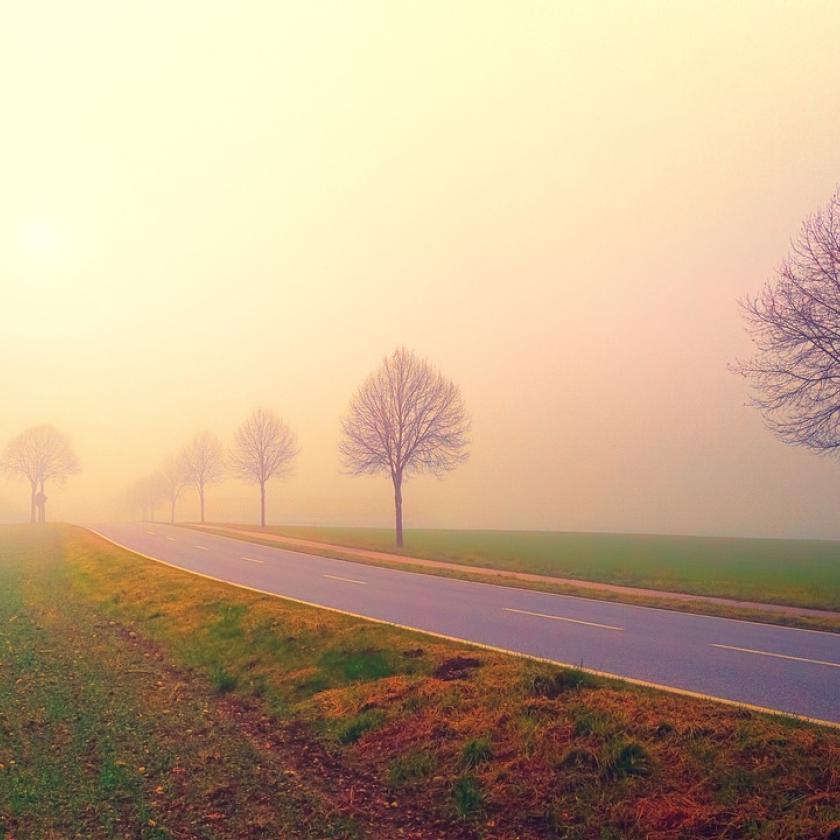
(206,209)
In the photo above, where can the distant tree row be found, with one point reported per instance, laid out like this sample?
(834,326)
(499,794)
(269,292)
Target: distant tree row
(406,418)
(264,448)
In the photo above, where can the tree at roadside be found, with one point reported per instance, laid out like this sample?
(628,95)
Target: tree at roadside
(264,448)
(204,463)
(175,478)
(794,323)
(406,418)
(40,454)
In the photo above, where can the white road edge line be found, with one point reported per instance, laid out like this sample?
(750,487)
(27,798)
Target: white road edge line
(779,655)
(346,580)
(562,618)
(682,692)
(253,560)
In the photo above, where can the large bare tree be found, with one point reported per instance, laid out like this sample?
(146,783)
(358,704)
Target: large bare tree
(40,454)
(264,448)
(406,418)
(794,322)
(204,463)
(175,478)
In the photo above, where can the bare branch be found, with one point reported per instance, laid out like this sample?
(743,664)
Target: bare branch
(265,447)
(203,461)
(794,323)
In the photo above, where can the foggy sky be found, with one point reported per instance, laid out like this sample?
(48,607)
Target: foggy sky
(206,207)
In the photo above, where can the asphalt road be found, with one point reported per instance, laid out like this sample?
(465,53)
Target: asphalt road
(796,671)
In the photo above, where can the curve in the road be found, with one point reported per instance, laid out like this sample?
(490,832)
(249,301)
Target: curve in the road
(766,668)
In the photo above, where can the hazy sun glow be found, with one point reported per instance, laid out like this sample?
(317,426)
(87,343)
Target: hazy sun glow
(42,237)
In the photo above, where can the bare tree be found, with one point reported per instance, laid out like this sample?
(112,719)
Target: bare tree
(175,478)
(264,449)
(406,418)
(794,323)
(40,454)
(204,463)
(144,495)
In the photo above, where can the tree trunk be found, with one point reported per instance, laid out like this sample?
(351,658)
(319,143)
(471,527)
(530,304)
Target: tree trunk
(398,508)
(34,490)
(172,511)
(201,497)
(262,504)
(43,504)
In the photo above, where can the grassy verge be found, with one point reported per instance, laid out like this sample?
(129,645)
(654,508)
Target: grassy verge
(800,573)
(828,623)
(139,701)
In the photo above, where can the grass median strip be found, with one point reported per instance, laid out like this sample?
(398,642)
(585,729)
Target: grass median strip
(137,700)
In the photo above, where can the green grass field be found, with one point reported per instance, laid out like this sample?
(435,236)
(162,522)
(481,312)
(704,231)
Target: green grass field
(804,573)
(138,701)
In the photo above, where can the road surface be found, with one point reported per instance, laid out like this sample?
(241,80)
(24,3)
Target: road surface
(778,668)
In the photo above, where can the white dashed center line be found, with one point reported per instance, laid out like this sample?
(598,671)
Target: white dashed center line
(563,618)
(253,560)
(201,547)
(346,580)
(779,655)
